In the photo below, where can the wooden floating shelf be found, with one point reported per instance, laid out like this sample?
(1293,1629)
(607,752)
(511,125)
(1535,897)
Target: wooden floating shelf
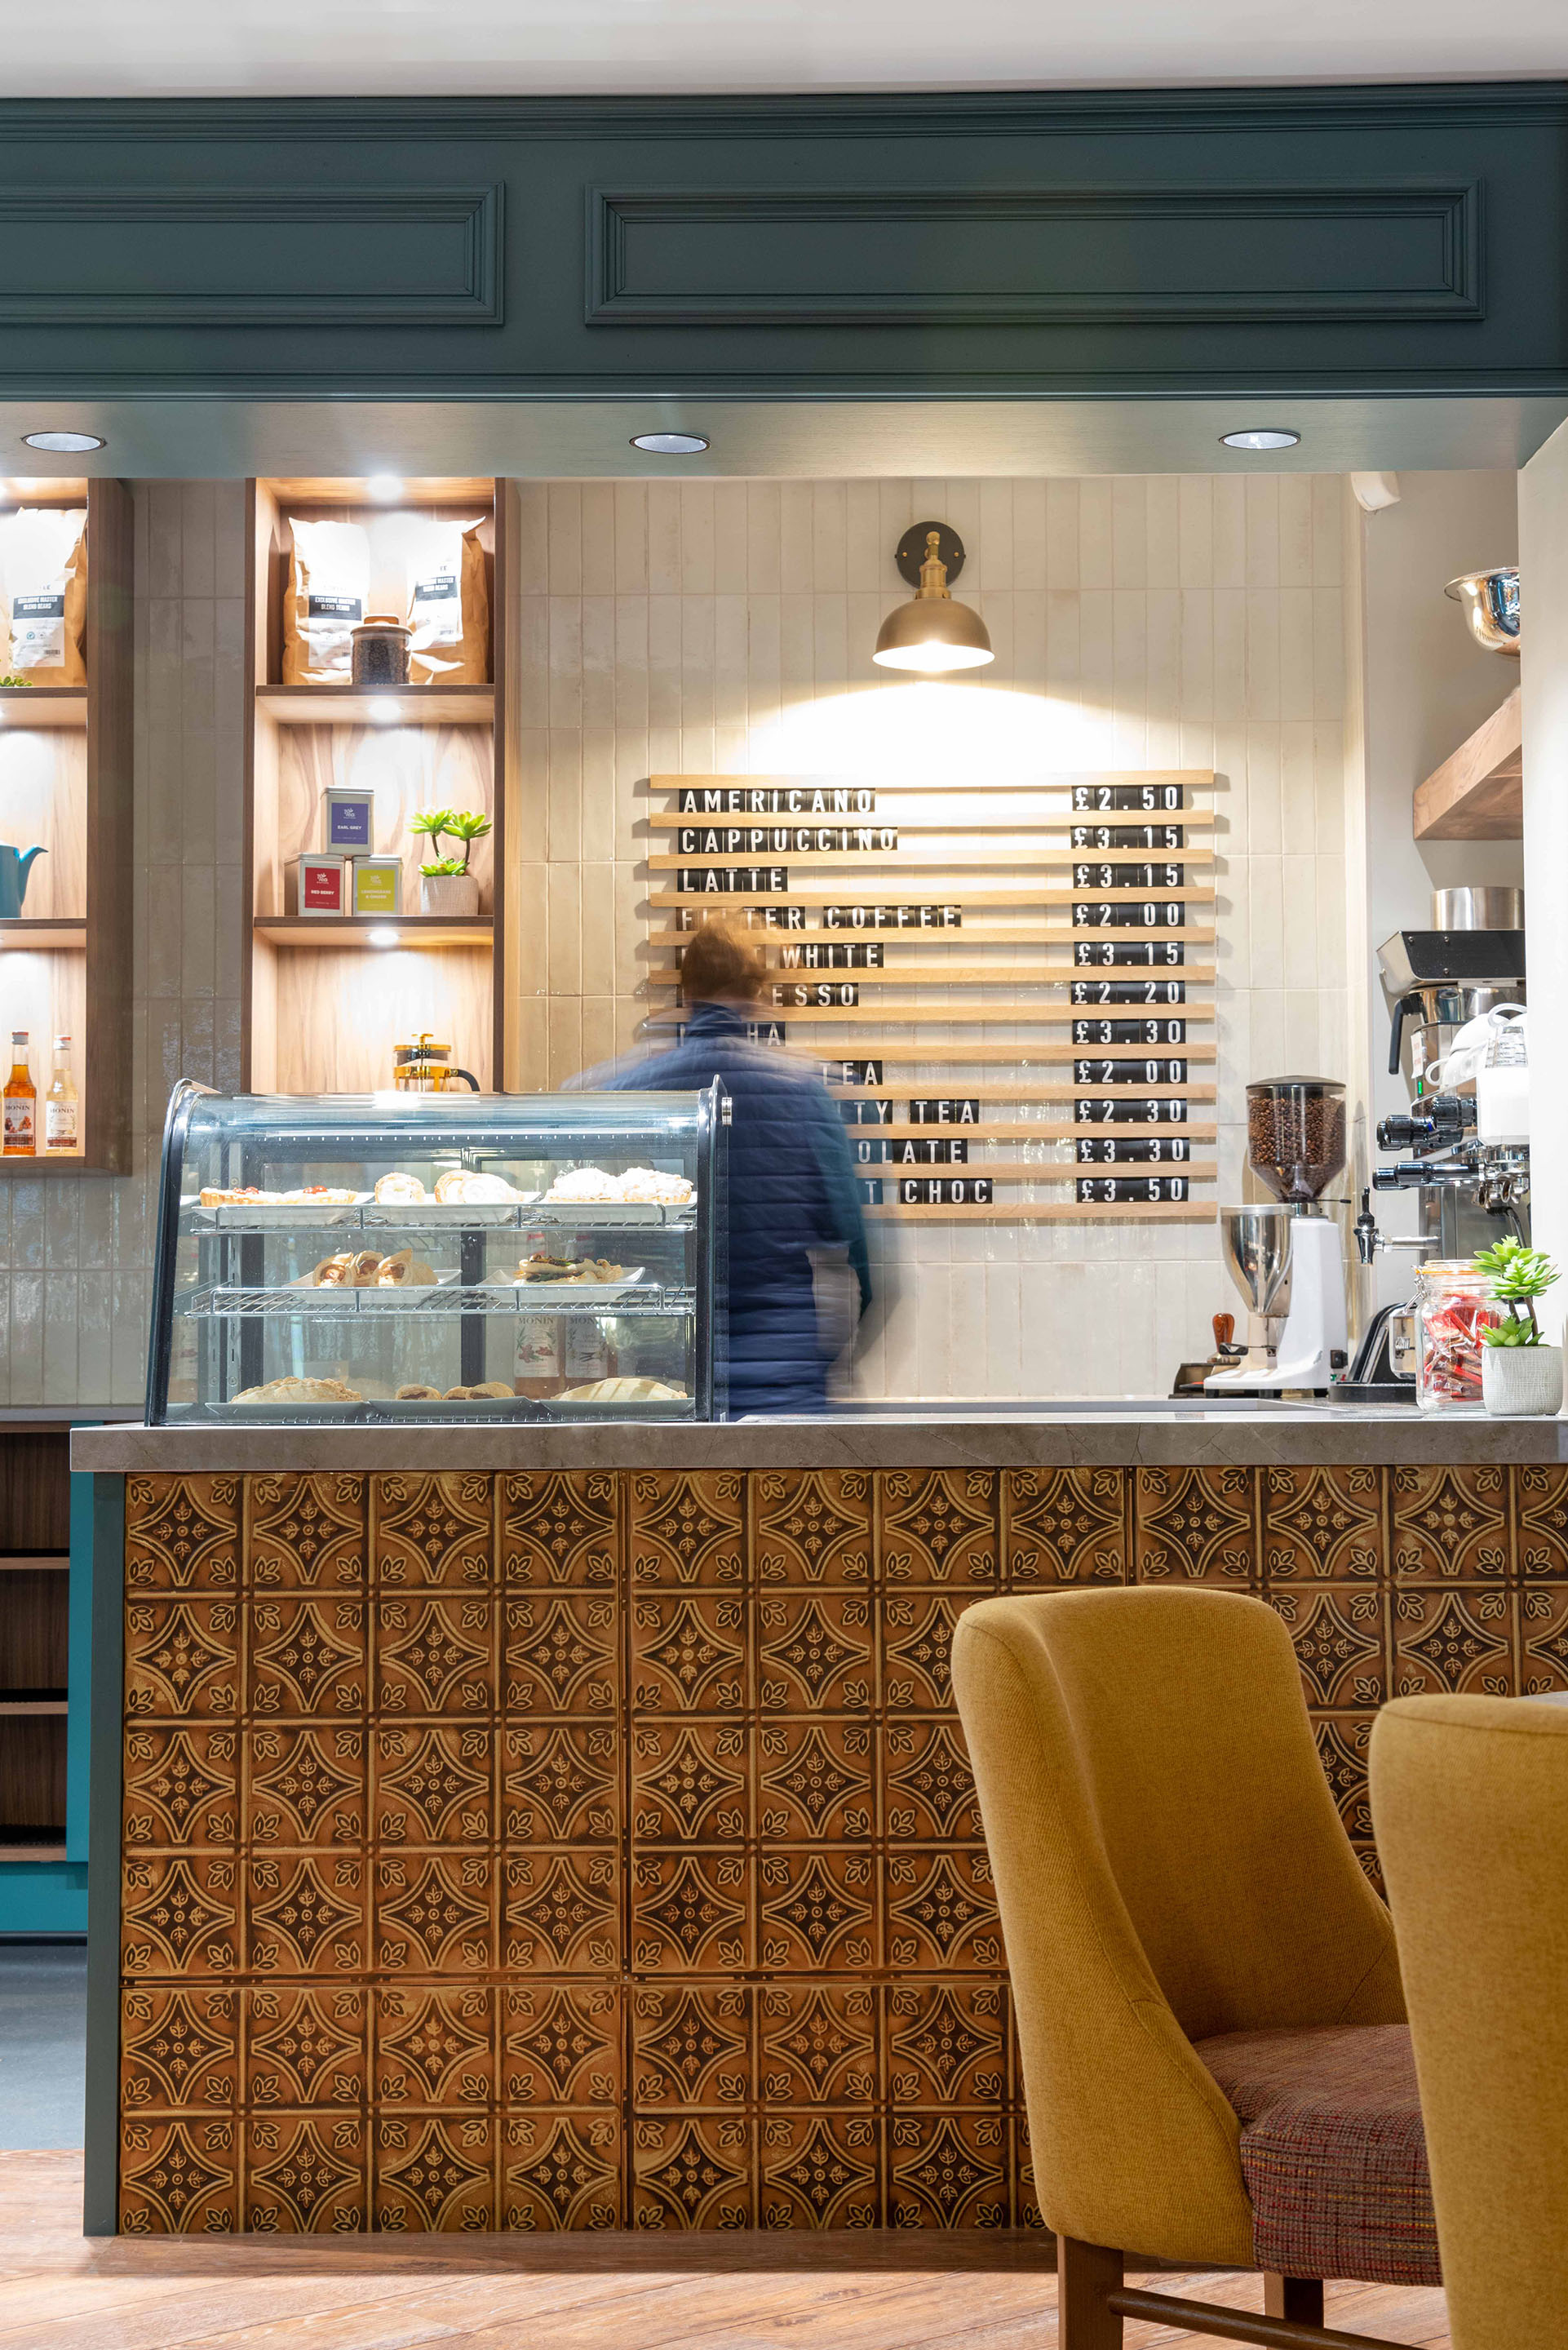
(1019,1130)
(51,1852)
(689,901)
(354,930)
(1056,935)
(15,1708)
(1064,1171)
(347,705)
(51,706)
(44,934)
(1478,794)
(972,975)
(1190,779)
(32,1562)
(1031,1212)
(48,1162)
(1186,819)
(862,860)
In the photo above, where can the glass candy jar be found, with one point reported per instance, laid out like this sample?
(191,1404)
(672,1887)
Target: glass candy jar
(1453,1307)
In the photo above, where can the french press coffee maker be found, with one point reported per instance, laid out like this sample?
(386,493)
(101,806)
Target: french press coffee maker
(424,1066)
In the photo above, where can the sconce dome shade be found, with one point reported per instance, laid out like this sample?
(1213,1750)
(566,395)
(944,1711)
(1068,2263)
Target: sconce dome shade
(931,634)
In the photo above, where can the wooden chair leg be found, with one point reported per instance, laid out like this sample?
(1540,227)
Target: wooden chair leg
(1298,2299)
(1086,2275)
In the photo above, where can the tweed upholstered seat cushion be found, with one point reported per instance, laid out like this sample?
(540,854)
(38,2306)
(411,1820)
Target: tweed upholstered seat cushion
(1333,2150)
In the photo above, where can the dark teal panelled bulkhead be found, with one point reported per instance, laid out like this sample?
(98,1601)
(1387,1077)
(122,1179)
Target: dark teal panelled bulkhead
(1354,242)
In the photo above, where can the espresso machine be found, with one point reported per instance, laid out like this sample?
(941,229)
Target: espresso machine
(1470,962)
(1285,1257)
(1470,1190)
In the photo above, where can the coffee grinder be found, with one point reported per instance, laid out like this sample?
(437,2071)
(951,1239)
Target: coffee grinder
(1286,1260)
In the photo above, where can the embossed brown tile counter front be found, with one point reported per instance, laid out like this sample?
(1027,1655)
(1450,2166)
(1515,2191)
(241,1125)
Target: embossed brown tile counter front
(596,1849)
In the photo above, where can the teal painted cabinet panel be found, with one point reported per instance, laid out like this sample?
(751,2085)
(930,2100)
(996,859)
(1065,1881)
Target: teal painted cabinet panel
(1327,241)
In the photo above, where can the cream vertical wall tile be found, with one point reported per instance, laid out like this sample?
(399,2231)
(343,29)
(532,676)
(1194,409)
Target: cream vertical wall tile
(565,662)
(597,622)
(1162,623)
(597,748)
(762,527)
(1163,528)
(997,534)
(664,538)
(697,538)
(696,664)
(1295,529)
(1298,790)
(1327,527)
(564,509)
(829,540)
(564,798)
(864,556)
(1029,566)
(1129,679)
(631,538)
(1229,526)
(1096,564)
(1062,533)
(1195,530)
(533,645)
(1295,642)
(729,576)
(1262,513)
(797,528)
(664,659)
(896,511)
(598,551)
(1129,531)
(1262,653)
(630,671)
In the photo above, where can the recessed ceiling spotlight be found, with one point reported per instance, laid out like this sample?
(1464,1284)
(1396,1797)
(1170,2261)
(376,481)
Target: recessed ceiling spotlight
(385,488)
(670,444)
(1271,436)
(64,444)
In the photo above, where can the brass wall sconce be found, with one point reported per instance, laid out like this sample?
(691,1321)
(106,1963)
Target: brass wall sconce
(932,633)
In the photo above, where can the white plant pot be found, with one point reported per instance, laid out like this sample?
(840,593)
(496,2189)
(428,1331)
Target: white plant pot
(1521,1382)
(451,895)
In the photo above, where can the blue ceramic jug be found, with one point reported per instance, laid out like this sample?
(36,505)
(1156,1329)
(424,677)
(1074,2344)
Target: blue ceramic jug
(16,864)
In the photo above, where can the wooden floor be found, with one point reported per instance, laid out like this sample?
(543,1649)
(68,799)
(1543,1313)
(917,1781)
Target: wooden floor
(910,2291)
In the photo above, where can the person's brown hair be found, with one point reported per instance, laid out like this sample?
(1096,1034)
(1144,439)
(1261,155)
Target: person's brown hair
(720,966)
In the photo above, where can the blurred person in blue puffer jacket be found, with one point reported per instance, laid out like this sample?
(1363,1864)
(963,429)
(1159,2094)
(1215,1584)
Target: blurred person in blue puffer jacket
(793,1208)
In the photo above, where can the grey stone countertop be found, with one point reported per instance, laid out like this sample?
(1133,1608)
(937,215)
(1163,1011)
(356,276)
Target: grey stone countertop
(964,1435)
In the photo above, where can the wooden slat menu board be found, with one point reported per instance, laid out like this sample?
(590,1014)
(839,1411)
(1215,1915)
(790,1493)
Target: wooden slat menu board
(885,917)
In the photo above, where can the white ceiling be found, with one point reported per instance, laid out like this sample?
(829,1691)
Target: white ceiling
(108,48)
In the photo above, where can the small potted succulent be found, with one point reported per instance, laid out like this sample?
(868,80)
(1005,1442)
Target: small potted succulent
(1522,1376)
(446,885)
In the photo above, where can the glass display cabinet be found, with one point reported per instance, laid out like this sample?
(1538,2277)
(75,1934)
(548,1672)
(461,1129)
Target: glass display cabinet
(442,1256)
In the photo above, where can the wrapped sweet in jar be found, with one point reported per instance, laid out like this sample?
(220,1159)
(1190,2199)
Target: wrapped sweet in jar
(1453,1307)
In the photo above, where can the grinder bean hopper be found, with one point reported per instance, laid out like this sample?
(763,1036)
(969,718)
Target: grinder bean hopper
(1286,1259)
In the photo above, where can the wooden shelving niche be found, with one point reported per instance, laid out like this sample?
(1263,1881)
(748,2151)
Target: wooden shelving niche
(65,787)
(327,999)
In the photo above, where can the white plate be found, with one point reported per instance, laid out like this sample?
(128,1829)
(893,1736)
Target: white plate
(390,1296)
(247,1215)
(285,1414)
(412,1215)
(587,1215)
(577,1292)
(520,1409)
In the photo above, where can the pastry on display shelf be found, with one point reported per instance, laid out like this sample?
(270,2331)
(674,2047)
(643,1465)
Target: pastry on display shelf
(643,1186)
(294,1390)
(247,1195)
(625,1390)
(415,1393)
(368,1269)
(462,1187)
(564,1270)
(407,1189)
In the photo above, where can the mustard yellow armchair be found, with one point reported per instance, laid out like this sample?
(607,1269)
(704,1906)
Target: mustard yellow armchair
(1470,1795)
(1216,2063)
